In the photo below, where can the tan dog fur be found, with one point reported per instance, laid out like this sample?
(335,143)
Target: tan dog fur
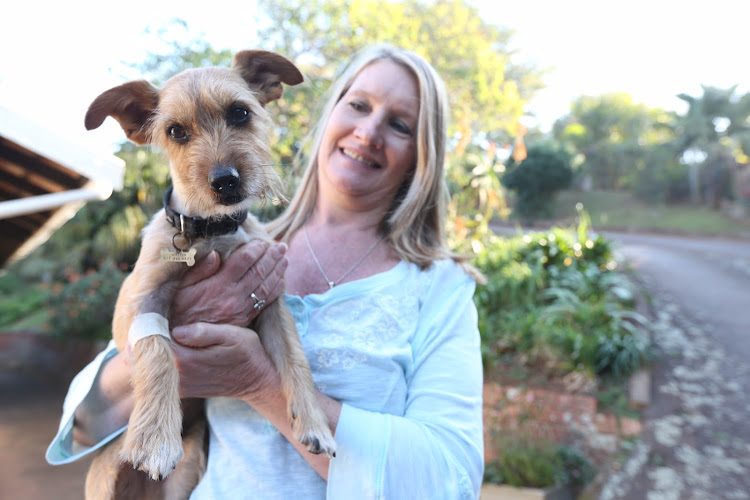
(198,102)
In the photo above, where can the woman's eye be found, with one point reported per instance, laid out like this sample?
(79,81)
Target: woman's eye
(238,115)
(177,133)
(401,127)
(357,106)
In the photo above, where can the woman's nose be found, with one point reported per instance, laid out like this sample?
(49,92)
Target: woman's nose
(368,133)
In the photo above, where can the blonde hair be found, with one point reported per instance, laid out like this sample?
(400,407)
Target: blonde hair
(413,226)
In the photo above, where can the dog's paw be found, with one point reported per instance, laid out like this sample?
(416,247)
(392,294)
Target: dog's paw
(311,429)
(156,455)
(318,443)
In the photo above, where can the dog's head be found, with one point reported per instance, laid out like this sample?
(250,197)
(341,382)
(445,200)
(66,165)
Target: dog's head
(211,123)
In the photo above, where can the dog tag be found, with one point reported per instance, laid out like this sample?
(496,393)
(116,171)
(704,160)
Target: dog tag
(168,255)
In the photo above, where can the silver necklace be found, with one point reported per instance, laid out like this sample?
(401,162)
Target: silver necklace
(332,284)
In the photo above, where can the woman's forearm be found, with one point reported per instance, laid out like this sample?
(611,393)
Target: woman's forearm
(108,405)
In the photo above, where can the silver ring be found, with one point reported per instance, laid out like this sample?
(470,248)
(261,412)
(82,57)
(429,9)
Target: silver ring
(259,303)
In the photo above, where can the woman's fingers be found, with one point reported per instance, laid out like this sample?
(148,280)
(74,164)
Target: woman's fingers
(220,360)
(226,295)
(246,260)
(204,269)
(197,335)
(272,284)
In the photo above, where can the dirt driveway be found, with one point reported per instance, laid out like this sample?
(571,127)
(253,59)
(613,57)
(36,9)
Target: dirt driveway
(29,415)
(696,441)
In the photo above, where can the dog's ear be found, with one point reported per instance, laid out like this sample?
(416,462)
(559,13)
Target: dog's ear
(265,72)
(131,104)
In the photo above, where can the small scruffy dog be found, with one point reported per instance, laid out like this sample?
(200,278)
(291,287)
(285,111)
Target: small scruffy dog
(214,128)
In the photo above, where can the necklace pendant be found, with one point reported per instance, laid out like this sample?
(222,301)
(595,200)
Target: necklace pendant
(331,284)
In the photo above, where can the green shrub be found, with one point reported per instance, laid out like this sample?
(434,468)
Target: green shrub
(18,305)
(558,295)
(84,306)
(545,171)
(536,463)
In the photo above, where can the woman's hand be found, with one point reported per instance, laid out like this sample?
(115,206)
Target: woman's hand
(216,292)
(223,360)
(227,360)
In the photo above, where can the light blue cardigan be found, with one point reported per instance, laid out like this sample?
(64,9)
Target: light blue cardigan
(400,350)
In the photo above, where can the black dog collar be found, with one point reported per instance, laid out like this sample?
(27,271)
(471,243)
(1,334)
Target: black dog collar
(197,227)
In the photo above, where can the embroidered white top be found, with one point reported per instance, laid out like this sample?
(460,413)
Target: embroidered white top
(400,350)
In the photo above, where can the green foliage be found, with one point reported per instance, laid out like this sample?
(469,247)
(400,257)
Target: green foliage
(535,463)
(484,84)
(624,145)
(611,133)
(613,398)
(535,180)
(476,196)
(83,306)
(557,295)
(17,300)
(595,332)
(660,178)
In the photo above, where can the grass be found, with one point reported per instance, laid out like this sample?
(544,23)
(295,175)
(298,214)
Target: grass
(619,210)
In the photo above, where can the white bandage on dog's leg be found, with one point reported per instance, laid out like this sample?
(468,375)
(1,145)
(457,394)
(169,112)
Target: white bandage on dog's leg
(147,324)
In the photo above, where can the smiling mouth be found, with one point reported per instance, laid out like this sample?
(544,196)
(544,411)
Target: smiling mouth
(361,159)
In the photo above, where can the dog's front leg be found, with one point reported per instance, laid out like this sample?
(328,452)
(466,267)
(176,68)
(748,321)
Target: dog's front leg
(279,336)
(153,441)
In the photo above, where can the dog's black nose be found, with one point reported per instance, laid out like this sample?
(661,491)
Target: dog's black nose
(224,180)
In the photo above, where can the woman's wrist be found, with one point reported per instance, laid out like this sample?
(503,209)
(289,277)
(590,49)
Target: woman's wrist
(108,405)
(264,387)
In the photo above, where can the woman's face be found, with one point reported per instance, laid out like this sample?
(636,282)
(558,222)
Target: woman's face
(370,141)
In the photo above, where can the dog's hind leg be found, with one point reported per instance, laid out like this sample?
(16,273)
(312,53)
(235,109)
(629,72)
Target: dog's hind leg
(278,334)
(103,471)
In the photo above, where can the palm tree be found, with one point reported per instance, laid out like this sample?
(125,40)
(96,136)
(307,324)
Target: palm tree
(712,137)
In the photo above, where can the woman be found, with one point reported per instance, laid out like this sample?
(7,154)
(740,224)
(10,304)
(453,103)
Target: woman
(383,308)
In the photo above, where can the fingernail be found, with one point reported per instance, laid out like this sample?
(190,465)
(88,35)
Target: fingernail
(283,247)
(213,256)
(179,333)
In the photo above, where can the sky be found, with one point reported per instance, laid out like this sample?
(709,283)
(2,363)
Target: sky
(56,57)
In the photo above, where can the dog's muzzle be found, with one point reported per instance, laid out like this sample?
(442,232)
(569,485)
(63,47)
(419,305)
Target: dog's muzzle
(225,182)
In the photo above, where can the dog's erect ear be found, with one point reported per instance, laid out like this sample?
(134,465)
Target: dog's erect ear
(131,104)
(265,72)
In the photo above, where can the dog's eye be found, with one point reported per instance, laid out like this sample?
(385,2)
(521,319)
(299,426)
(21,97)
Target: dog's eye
(238,115)
(177,133)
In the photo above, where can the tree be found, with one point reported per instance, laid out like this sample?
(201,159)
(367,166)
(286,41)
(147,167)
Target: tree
(545,171)
(610,131)
(485,86)
(712,137)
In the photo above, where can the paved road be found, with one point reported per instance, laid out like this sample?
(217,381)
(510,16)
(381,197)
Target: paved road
(696,442)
